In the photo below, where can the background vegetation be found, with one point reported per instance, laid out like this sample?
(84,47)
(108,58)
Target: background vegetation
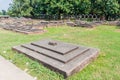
(34,8)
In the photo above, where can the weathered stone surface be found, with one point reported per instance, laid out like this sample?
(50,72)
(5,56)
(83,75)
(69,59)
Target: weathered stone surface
(112,23)
(60,47)
(22,25)
(52,23)
(86,24)
(118,23)
(65,58)
(71,24)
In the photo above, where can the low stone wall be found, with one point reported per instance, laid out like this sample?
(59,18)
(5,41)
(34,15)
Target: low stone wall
(21,25)
(79,23)
(52,23)
(35,26)
(26,25)
(112,23)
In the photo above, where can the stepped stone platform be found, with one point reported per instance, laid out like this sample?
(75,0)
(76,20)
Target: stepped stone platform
(64,58)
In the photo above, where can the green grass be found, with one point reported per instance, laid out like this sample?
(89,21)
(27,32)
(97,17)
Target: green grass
(105,67)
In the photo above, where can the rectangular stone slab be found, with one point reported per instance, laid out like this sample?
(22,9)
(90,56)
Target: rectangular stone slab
(63,58)
(60,47)
(67,69)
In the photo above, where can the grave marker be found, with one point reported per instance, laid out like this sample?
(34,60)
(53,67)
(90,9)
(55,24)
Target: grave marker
(64,58)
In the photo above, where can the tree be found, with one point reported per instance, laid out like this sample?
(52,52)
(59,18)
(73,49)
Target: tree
(34,8)
(4,12)
(20,8)
(81,6)
(109,7)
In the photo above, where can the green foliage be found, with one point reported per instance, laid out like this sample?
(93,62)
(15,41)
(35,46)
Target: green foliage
(81,7)
(20,8)
(34,8)
(3,12)
(109,7)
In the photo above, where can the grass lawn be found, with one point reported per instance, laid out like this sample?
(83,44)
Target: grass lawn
(106,38)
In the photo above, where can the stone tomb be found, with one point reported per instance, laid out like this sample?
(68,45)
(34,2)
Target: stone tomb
(64,58)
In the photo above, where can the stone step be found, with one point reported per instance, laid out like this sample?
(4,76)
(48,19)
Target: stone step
(41,58)
(29,32)
(67,69)
(59,47)
(63,58)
